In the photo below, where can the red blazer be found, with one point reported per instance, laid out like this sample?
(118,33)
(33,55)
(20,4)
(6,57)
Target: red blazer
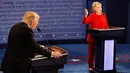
(95,21)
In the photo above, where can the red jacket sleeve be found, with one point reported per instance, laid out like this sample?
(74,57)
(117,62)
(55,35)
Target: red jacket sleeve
(86,20)
(106,26)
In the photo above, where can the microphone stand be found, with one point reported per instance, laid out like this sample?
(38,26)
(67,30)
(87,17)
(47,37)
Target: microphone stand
(49,47)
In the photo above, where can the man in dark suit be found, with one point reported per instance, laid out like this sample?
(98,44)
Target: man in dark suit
(21,46)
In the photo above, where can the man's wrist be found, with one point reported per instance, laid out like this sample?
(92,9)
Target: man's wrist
(52,53)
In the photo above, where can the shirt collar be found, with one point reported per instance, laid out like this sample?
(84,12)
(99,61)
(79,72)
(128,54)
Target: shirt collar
(28,25)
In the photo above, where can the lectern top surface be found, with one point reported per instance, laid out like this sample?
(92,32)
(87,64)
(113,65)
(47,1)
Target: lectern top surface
(115,28)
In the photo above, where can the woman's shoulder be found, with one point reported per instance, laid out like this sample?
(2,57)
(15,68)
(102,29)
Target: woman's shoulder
(103,13)
(92,13)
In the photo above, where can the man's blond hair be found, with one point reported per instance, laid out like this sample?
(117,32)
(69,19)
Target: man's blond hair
(29,16)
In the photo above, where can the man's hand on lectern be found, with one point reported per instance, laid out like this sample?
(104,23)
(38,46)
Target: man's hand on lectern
(56,54)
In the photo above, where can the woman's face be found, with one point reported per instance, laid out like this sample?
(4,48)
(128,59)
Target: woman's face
(98,8)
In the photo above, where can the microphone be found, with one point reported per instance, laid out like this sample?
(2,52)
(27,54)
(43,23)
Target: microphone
(39,30)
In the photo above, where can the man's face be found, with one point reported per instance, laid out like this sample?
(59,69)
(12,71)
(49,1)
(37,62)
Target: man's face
(34,22)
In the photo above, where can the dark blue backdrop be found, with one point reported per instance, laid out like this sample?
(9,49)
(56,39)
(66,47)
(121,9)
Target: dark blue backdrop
(60,19)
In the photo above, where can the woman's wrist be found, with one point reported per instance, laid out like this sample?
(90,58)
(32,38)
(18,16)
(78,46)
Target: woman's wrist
(86,15)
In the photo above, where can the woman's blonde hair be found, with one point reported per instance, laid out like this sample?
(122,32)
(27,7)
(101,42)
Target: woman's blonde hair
(94,4)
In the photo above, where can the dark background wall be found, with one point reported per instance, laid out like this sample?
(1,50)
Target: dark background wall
(128,30)
(117,14)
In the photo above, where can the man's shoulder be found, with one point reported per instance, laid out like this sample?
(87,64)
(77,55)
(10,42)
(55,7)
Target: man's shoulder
(20,24)
(20,27)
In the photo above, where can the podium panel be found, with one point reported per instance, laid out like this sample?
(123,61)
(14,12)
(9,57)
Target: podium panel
(105,51)
(108,54)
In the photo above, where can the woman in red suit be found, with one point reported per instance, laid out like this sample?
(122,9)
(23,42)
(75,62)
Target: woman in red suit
(97,19)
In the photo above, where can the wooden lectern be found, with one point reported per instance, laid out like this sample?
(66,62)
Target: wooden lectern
(41,64)
(105,50)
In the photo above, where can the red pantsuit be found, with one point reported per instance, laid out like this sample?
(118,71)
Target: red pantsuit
(94,21)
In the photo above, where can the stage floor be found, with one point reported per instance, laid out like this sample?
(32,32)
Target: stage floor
(77,60)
